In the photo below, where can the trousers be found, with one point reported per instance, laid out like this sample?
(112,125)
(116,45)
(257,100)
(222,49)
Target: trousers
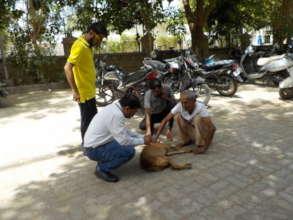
(111,155)
(88,109)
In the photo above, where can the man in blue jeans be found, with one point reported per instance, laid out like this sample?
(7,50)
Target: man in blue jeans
(108,141)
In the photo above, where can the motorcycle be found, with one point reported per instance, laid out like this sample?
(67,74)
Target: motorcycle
(251,70)
(175,73)
(219,75)
(231,64)
(280,63)
(112,82)
(3,92)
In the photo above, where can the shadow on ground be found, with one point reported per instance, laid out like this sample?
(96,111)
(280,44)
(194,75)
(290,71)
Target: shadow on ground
(36,105)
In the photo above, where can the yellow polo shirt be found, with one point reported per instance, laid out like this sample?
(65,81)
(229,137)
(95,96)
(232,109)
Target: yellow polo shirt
(82,58)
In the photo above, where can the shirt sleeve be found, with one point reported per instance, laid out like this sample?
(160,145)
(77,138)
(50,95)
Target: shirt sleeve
(176,109)
(134,134)
(75,53)
(147,99)
(203,111)
(121,133)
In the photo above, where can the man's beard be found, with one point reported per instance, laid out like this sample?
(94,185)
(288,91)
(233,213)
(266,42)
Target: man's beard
(91,42)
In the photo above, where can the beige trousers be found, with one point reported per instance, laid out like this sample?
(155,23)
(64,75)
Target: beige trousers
(189,131)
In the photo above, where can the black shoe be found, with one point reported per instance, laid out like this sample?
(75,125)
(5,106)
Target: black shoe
(107,176)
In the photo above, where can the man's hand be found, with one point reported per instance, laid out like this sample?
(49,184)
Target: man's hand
(169,134)
(76,96)
(154,140)
(147,139)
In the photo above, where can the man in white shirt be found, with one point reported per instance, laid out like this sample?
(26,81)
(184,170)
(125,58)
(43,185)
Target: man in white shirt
(193,122)
(108,141)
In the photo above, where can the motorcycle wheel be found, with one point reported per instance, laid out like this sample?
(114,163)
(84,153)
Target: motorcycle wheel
(286,93)
(228,85)
(105,95)
(203,92)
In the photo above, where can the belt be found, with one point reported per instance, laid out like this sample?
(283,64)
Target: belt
(87,149)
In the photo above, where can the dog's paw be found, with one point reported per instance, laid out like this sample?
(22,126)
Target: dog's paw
(188,166)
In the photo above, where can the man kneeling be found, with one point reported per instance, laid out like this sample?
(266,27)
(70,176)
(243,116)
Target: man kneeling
(193,122)
(107,140)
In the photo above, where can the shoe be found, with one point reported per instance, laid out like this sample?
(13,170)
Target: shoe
(107,176)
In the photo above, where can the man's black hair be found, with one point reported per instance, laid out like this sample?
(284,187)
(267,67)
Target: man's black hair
(98,28)
(155,83)
(130,100)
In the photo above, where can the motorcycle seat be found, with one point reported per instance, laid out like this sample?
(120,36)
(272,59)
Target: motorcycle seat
(264,60)
(155,64)
(135,76)
(217,64)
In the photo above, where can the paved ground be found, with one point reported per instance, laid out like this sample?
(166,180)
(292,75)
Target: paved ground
(246,174)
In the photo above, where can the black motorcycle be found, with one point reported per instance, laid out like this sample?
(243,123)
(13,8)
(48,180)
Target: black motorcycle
(112,82)
(218,75)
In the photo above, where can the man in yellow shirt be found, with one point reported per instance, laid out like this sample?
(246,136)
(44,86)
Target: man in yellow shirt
(81,74)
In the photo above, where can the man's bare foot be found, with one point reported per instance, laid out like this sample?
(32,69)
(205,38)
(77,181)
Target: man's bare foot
(184,144)
(200,150)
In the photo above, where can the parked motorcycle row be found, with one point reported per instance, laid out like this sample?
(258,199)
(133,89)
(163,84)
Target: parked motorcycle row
(187,72)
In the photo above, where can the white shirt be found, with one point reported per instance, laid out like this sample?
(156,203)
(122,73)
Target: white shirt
(109,125)
(199,110)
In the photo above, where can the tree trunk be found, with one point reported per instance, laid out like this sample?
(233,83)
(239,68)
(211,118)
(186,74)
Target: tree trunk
(282,22)
(147,44)
(199,42)
(196,21)
(37,20)
(3,55)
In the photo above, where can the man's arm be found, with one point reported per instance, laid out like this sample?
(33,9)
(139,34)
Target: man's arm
(163,124)
(123,135)
(148,113)
(134,133)
(70,79)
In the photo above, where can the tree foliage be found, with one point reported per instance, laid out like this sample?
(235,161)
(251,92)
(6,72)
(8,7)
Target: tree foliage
(176,23)
(8,13)
(119,14)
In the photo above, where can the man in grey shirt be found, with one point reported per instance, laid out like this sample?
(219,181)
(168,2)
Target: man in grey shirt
(158,102)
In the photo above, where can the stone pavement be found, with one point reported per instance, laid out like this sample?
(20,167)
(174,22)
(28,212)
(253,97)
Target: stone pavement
(245,175)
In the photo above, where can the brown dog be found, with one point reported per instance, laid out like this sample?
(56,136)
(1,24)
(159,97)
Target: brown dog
(155,157)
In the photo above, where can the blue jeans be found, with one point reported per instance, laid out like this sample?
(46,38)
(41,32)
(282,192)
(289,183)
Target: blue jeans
(111,155)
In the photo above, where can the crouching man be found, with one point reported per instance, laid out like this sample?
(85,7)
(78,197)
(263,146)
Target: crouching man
(158,102)
(107,140)
(193,122)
